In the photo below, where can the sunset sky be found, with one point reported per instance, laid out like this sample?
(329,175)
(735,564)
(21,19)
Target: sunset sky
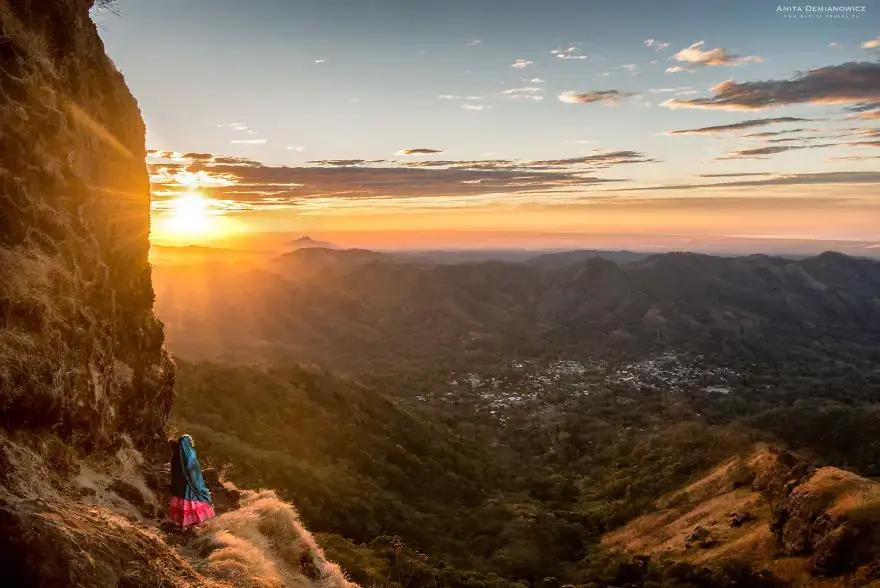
(700,118)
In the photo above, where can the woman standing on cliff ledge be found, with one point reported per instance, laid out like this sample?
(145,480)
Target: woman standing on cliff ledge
(190,500)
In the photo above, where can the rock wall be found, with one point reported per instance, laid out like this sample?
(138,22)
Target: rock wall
(81,353)
(828,514)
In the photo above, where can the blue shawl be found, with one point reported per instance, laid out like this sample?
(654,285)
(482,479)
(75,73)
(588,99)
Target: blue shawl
(186,473)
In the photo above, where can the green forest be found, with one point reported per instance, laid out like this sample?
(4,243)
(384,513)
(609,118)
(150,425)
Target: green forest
(406,493)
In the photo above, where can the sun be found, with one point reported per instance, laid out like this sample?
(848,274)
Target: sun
(191,218)
(190,214)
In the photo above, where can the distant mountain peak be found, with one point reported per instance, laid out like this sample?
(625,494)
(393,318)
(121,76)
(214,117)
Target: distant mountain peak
(306,242)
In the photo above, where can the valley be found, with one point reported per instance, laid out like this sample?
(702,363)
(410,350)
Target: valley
(510,420)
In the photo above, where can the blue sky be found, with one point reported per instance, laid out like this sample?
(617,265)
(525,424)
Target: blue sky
(309,80)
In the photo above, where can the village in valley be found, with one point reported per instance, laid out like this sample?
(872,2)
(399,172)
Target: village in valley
(538,384)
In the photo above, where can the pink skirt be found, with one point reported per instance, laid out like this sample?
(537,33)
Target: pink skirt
(190,512)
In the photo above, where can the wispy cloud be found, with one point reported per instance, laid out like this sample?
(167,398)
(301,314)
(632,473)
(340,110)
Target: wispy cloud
(602,96)
(474,43)
(736,175)
(295,148)
(677,91)
(854,158)
(776,180)
(526,93)
(767,134)
(835,45)
(234,126)
(198,156)
(471,103)
(848,83)
(456,97)
(419,151)
(656,45)
(598,159)
(237,184)
(745,124)
(695,56)
(569,53)
(521,63)
(866,115)
(763,152)
(248,141)
(872,44)
(536,81)
(319,61)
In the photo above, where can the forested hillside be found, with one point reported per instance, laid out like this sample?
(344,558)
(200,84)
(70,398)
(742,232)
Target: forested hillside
(360,312)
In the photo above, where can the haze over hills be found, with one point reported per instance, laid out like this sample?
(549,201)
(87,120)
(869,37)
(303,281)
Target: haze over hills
(332,305)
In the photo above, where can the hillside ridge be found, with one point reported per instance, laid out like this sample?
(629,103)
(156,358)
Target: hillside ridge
(805,524)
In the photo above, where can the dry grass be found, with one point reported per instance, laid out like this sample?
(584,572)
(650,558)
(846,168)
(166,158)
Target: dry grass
(264,545)
(845,492)
(708,502)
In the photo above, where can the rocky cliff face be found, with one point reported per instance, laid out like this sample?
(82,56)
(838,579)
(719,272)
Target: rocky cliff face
(85,383)
(81,353)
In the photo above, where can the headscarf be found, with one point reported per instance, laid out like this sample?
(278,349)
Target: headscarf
(186,473)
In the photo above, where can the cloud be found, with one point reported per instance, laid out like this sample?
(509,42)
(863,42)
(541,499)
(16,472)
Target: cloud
(295,148)
(239,161)
(248,141)
(775,133)
(745,124)
(474,43)
(419,151)
(339,162)
(569,53)
(198,156)
(598,159)
(656,45)
(679,69)
(470,103)
(697,56)
(762,152)
(234,126)
(536,81)
(527,93)
(837,84)
(865,111)
(872,44)
(257,186)
(854,158)
(319,61)
(521,63)
(455,97)
(835,45)
(777,180)
(630,67)
(603,96)
(864,106)
(739,175)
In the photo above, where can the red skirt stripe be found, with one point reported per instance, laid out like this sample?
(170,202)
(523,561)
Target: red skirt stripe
(190,512)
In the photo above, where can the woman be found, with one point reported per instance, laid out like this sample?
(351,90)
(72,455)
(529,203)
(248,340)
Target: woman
(190,499)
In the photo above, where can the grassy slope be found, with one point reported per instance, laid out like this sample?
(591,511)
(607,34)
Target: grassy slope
(316,438)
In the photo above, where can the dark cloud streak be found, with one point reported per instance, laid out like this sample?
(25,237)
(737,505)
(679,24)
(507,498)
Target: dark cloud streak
(849,83)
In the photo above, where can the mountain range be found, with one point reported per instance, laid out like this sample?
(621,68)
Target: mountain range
(328,305)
